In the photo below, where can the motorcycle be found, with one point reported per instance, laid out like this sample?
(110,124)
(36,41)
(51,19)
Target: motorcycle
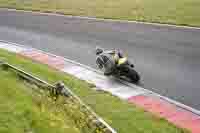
(124,70)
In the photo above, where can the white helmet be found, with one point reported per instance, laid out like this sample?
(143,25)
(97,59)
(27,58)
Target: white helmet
(99,50)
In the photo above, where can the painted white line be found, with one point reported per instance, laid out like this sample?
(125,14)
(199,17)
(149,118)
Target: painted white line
(102,82)
(105,20)
(114,88)
(79,70)
(15,49)
(178,104)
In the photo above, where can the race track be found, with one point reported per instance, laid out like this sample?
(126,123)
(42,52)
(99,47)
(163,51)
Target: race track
(167,58)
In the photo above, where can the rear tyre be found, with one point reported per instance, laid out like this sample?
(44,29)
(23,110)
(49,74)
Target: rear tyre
(133,76)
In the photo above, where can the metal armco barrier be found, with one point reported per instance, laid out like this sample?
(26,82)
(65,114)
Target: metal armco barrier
(96,120)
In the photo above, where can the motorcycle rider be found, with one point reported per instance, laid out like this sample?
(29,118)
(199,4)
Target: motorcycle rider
(108,60)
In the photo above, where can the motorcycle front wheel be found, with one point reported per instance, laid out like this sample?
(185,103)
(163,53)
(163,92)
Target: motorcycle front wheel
(133,75)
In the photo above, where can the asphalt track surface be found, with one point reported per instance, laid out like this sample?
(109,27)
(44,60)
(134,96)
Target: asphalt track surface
(167,58)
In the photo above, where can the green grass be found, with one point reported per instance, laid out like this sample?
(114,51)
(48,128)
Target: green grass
(181,12)
(125,118)
(26,107)
(22,111)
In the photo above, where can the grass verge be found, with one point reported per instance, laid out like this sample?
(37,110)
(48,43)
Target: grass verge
(40,109)
(26,111)
(181,12)
(122,116)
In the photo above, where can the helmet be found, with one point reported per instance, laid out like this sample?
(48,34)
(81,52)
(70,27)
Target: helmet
(99,51)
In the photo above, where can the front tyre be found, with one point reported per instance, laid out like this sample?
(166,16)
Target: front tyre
(133,75)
